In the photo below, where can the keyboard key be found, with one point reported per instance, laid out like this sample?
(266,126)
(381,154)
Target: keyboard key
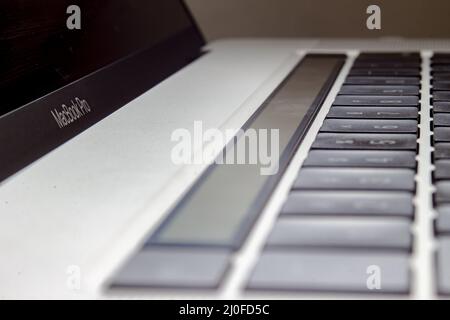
(376,101)
(442,151)
(374,112)
(441,68)
(383,81)
(331,271)
(441,77)
(387,64)
(441,119)
(441,86)
(389,56)
(355,179)
(380,90)
(366,141)
(370,126)
(174,269)
(443,220)
(437,57)
(344,203)
(364,233)
(442,192)
(440,61)
(404,72)
(441,96)
(442,170)
(358,158)
(443,266)
(441,107)
(433,81)
(442,134)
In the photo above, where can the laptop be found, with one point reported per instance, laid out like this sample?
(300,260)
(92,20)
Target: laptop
(139,161)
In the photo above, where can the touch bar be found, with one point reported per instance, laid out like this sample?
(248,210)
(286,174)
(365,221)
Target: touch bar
(221,208)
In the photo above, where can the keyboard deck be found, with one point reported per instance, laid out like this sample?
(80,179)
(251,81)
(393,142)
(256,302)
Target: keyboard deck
(347,224)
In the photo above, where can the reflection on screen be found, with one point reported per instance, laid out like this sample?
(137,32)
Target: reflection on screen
(40,55)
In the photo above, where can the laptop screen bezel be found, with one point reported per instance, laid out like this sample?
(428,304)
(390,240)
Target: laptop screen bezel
(35,129)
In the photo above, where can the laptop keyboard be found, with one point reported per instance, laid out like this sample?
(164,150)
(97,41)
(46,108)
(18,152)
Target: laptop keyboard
(440,68)
(352,202)
(346,224)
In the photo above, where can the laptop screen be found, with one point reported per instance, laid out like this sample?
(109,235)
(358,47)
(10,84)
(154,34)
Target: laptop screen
(65,65)
(45,47)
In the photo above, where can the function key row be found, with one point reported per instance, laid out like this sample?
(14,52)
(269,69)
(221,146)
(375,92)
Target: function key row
(352,201)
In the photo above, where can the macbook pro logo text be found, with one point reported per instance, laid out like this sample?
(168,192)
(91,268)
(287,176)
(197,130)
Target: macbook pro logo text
(69,114)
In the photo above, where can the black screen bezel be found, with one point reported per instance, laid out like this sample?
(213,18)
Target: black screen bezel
(30,132)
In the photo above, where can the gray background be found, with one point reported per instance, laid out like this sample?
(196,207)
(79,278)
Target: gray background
(320,18)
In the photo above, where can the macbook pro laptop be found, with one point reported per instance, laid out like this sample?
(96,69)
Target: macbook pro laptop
(343,190)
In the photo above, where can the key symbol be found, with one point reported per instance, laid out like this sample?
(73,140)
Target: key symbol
(386,127)
(390,101)
(370,205)
(345,142)
(393,91)
(375,160)
(388,113)
(330,180)
(383,142)
(375,180)
(338,160)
